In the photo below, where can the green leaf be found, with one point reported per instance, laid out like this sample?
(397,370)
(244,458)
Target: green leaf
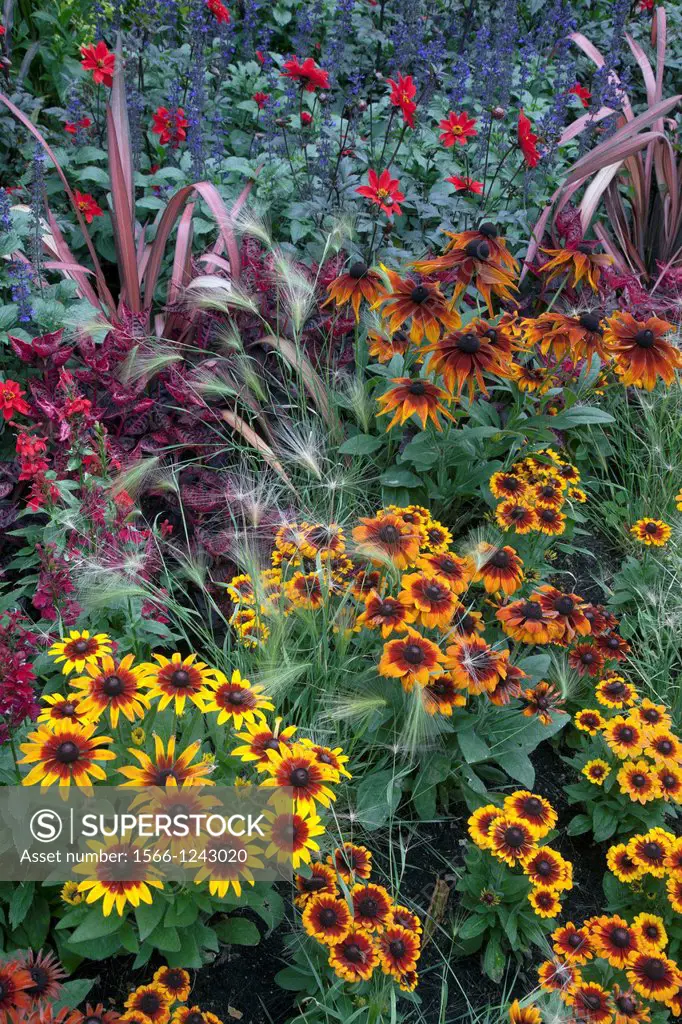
(165,939)
(472,746)
(293,980)
(95,926)
(579,825)
(473,926)
(578,416)
(400,478)
(189,954)
(238,931)
(73,992)
(148,916)
(20,903)
(378,796)
(494,960)
(604,823)
(361,444)
(518,766)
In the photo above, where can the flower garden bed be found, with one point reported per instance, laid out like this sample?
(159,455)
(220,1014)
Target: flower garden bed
(340,459)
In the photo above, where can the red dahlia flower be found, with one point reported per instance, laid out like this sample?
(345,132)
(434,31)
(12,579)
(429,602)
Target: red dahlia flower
(402,95)
(12,400)
(306,118)
(261,99)
(100,61)
(457,128)
(527,141)
(384,191)
(88,206)
(222,15)
(170,126)
(308,74)
(466,185)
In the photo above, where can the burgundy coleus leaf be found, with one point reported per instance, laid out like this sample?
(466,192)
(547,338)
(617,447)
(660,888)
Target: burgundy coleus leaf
(22,349)
(569,226)
(144,405)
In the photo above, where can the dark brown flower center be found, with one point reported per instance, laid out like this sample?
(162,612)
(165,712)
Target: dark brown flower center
(651,528)
(514,837)
(271,744)
(500,560)
(417,387)
(237,697)
(620,937)
(575,941)
(665,747)
(477,249)
(547,515)
(180,679)
(645,338)
(358,270)
(389,534)
(590,321)
(518,513)
(195,1018)
(531,610)
(613,643)
(386,609)
(469,344)
(651,715)
(149,1004)
(653,850)
(592,1000)
(353,952)
(113,686)
(328,917)
(651,931)
(669,782)
(163,775)
(67,752)
(638,780)
(397,948)
(564,605)
(654,969)
(626,1005)
(439,688)
(614,689)
(68,709)
(419,294)
(413,654)
(433,591)
(587,657)
(92,1020)
(548,491)
(533,806)
(626,734)
(544,867)
(81,646)
(312,884)
(368,906)
(41,980)
(487,229)
(299,777)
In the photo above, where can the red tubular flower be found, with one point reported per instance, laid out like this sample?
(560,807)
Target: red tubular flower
(72,126)
(12,400)
(466,185)
(457,128)
(100,61)
(88,206)
(583,94)
(383,190)
(527,141)
(402,95)
(308,74)
(261,99)
(222,15)
(170,126)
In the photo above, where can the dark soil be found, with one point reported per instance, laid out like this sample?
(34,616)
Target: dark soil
(238,985)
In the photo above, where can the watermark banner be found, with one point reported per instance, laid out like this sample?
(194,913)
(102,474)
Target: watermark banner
(190,834)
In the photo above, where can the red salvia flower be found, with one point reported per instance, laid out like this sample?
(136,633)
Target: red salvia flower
(88,206)
(261,99)
(308,74)
(72,126)
(466,185)
(12,400)
(384,191)
(222,15)
(527,141)
(457,128)
(402,95)
(100,61)
(170,126)
(583,94)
